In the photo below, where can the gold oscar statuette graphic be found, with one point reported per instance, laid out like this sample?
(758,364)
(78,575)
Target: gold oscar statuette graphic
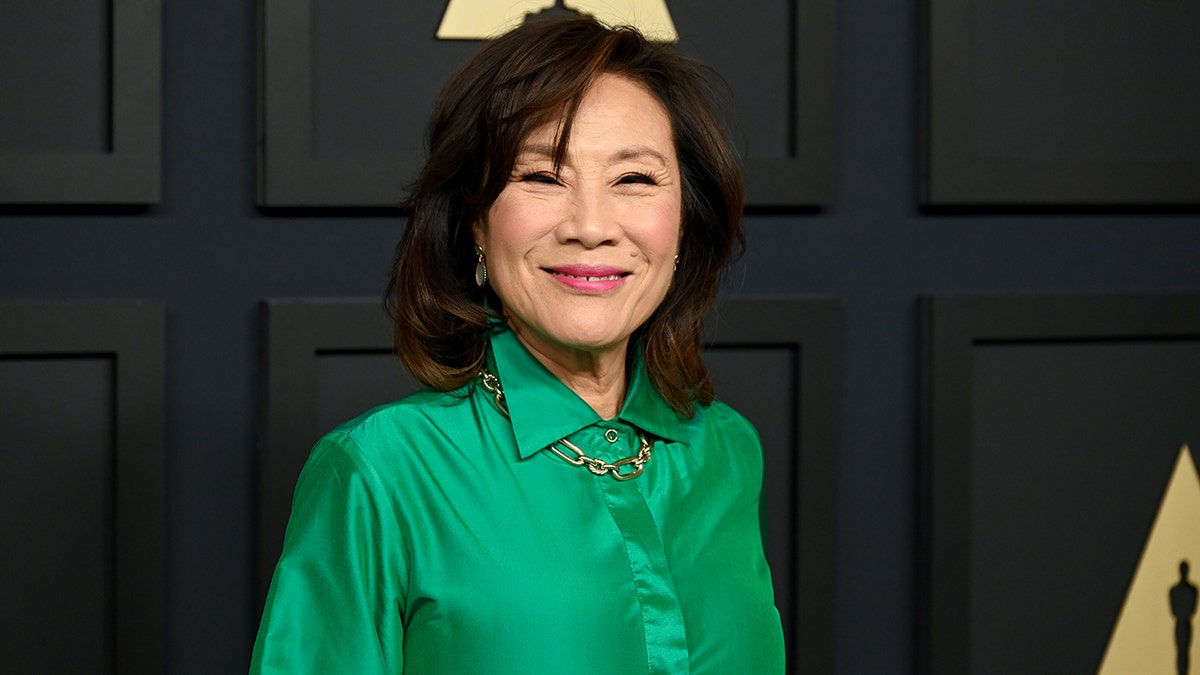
(486,19)
(1154,631)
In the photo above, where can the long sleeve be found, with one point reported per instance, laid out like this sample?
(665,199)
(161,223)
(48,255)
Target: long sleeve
(335,603)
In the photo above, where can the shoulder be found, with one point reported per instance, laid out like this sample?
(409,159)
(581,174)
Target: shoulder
(418,405)
(376,459)
(398,439)
(720,418)
(382,428)
(719,433)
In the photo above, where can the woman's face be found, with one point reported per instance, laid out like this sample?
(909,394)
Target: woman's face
(582,258)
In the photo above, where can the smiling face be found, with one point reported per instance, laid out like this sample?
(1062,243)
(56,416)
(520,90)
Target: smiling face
(583,257)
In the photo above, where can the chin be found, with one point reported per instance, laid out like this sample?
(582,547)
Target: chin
(592,342)
(589,338)
(582,329)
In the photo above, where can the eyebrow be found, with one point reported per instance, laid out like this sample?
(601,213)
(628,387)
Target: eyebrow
(640,152)
(544,149)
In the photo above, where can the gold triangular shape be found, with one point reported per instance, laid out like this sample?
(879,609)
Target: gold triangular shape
(651,17)
(1160,605)
(486,19)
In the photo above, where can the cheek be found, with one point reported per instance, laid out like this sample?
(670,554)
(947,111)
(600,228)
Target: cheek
(502,228)
(661,237)
(513,224)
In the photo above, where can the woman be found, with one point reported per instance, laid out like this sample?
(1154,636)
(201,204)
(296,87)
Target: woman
(566,497)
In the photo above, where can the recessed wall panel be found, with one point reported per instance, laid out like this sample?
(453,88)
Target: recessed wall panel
(56,469)
(80,112)
(1077,103)
(82,487)
(351,383)
(56,54)
(1052,428)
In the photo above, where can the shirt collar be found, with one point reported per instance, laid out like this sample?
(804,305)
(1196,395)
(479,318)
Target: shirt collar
(544,410)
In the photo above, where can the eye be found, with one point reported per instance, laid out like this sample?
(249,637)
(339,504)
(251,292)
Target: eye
(635,178)
(544,177)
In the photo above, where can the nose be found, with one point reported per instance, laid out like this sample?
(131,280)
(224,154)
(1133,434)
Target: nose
(591,220)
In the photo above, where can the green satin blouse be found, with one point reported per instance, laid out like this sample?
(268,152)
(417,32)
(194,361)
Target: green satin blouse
(434,535)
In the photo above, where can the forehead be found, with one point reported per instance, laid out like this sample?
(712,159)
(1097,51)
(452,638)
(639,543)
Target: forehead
(614,112)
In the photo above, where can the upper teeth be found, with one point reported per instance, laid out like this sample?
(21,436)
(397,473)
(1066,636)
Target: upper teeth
(604,278)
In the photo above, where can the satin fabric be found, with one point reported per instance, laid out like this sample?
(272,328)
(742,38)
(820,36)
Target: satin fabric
(435,535)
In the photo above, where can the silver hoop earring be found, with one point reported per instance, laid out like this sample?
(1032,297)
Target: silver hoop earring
(480,268)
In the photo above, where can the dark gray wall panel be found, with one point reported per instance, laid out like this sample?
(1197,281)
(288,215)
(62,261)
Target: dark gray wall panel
(1072,445)
(1052,425)
(82,488)
(81,106)
(350,383)
(1085,102)
(56,465)
(57,75)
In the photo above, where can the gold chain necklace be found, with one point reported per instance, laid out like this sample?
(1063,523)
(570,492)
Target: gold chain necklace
(598,467)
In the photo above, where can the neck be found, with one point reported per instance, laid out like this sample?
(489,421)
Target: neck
(596,376)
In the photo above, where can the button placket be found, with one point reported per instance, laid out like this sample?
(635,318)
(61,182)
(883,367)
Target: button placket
(661,611)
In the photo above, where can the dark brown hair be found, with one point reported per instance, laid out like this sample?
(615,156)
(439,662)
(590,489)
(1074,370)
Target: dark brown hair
(531,76)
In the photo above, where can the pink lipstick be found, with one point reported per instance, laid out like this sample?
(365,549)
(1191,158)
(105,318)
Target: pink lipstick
(588,278)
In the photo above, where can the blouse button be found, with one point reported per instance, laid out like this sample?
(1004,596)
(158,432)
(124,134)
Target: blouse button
(611,435)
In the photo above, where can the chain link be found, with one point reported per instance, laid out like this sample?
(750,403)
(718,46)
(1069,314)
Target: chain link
(599,467)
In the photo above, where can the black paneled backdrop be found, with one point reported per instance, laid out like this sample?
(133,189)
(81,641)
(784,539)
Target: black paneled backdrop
(209,257)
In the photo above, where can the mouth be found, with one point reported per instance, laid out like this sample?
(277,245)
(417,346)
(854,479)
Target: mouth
(588,272)
(588,278)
